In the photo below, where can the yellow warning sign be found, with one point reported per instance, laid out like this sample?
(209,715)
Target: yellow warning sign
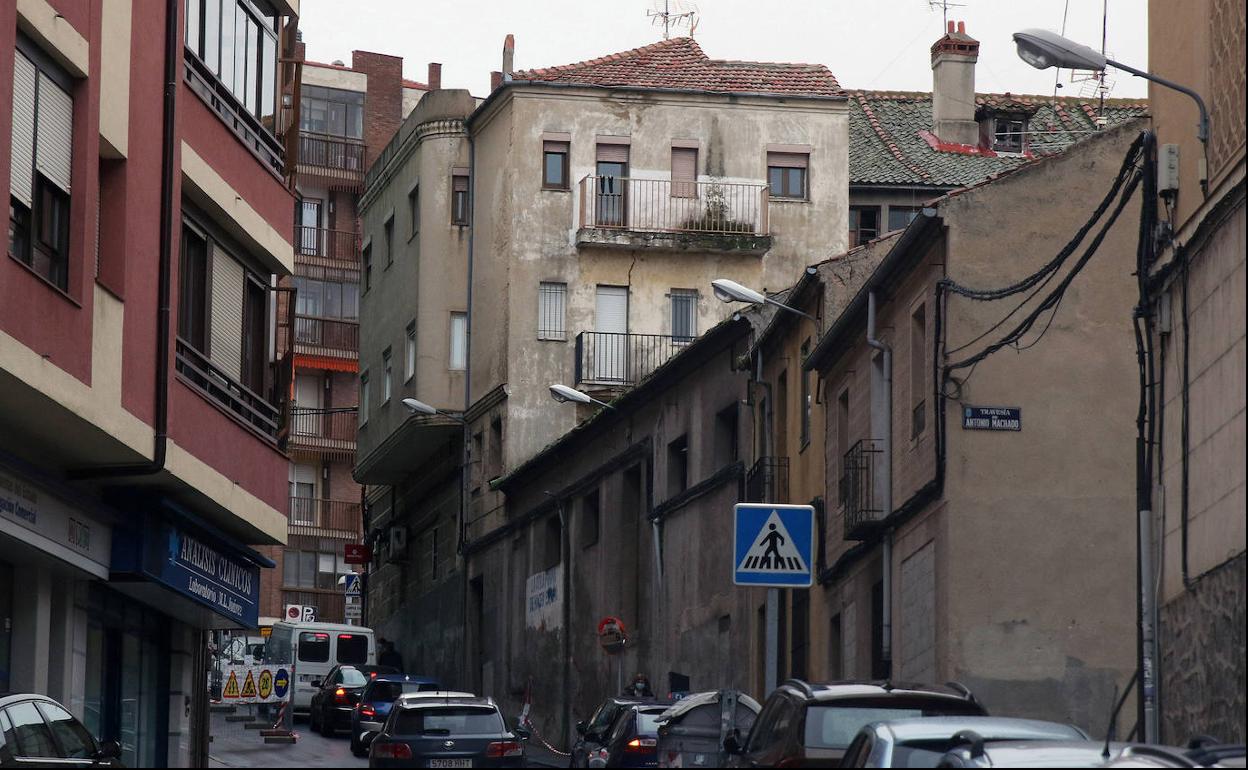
(249,687)
(266,683)
(231,687)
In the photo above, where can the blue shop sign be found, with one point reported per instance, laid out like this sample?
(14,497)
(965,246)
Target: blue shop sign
(196,566)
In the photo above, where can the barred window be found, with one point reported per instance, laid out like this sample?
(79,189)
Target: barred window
(684,314)
(552,301)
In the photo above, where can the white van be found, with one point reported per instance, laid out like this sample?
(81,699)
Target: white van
(315,648)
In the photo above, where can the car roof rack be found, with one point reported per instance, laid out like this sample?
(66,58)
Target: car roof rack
(962,689)
(802,685)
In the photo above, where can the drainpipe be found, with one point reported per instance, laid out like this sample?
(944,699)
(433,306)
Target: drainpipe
(882,426)
(161,420)
(465,456)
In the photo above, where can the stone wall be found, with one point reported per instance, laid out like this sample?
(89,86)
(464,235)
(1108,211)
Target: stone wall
(1201,637)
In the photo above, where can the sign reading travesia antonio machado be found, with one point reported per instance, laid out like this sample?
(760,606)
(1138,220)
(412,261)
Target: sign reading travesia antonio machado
(992,418)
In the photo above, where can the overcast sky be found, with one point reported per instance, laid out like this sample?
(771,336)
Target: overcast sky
(879,44)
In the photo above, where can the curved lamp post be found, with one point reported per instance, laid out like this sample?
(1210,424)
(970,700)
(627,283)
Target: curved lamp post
(731,291)
(563,394)
(420,407)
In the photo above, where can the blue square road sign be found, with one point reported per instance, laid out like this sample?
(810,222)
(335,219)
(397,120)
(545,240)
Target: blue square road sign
(773,545)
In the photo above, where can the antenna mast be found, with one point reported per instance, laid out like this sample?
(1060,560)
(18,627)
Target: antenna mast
(684,14)
(944,6)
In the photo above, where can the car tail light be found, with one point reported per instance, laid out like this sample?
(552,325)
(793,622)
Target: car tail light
(367,710)
(504,749)
(372,674)
(392,751)
(340,695)
(641,744)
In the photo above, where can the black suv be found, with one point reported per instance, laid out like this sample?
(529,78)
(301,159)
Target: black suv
(812,724)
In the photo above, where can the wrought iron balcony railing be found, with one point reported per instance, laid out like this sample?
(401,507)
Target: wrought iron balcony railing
(329,430)
(252,409)
(767,481)
(340,245)
(337,337)
(857,489)
(325,518)
(334,157)
(608,358)
(667,206)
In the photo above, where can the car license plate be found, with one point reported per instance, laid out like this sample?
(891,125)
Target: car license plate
(450,763)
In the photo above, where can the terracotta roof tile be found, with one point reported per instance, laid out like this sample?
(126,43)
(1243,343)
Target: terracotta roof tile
(679,63)
(890,133)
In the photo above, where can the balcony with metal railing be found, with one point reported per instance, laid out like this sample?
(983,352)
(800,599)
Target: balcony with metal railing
(856,489)
(322,246)
(339,160)
(251,409)
(314,517)
(611,359)
(767,481)
(323,430)
(331,337)
(663,214)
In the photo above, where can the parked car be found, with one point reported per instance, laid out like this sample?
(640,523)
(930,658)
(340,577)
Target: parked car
(445,729)
(1200,752)
(333,701)
(592,734)
(1031,754)
(370,712)
(634,737)
(924,742)
(36,731)
(813,724)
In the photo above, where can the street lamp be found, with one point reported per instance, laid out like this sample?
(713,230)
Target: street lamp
(1043,49)
(563,394)
(731,291)
(420,407)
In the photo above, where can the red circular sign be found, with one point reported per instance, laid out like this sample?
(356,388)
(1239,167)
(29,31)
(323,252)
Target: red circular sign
(611,621)
(293,613)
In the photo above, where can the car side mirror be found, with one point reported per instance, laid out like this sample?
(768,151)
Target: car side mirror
(522,733)
(367,738)
(109,750)
(581,727)
(316,684)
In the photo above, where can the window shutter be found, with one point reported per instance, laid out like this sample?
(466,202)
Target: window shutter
(21,183)
(684,172)
(459,183)
(613,153)
(227,313)
(55,133)
(787,160)
(555,147)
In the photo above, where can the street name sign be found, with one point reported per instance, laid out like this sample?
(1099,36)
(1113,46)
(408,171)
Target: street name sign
(992,418)
(773,545)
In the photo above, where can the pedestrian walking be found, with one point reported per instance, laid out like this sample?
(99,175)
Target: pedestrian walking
(389,656)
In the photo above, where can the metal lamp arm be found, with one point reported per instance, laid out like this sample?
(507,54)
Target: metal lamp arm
(1202,129)
(791,309)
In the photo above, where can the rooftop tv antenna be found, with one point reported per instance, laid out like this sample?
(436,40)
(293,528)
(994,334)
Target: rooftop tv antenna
(674,14)
(944,6)
(1095,85)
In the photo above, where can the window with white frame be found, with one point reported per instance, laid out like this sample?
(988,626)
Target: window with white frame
(387,371)
(684,314)
(409,353)
(42,148)
(552,300)
(459,341)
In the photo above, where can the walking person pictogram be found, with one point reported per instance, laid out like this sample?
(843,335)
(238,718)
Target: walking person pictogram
(773,541)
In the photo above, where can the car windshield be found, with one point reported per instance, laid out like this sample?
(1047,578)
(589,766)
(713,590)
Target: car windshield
(389,692)
(834,727)
(450,720)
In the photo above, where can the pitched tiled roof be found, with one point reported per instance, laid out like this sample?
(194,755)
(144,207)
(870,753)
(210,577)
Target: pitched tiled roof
(679,63)
(890,141)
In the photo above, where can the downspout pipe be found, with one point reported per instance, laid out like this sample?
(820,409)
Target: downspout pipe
(173,45)
(882,427)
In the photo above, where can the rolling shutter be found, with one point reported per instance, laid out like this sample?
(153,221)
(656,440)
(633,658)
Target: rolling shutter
(227,313)
(55,133)
(684,172)
(787,160)
(21,182)
(613,153)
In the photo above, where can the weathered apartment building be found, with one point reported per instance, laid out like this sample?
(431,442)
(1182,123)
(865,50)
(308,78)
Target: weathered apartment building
(140,396)
(707,430)
(573,220)
(1197,291)
(346,116)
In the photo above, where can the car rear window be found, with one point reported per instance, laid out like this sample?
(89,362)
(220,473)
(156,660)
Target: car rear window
(449,720)
(834,727)
(353,677)
(352,648)
(314,647)
(389,692)
(648,722)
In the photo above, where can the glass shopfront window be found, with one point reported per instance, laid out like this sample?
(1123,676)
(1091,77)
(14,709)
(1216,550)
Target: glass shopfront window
(6,622)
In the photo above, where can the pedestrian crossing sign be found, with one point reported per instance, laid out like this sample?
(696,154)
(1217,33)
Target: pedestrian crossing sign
(773,545)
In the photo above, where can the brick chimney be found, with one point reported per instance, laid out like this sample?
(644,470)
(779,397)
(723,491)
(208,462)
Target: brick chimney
(509,56)
(953,86)
(496,81)
(383,105)
(434,80)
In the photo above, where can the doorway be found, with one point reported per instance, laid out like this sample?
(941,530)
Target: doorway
(611,327)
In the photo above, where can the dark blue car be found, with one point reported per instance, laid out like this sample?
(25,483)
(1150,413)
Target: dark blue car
(375,701)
